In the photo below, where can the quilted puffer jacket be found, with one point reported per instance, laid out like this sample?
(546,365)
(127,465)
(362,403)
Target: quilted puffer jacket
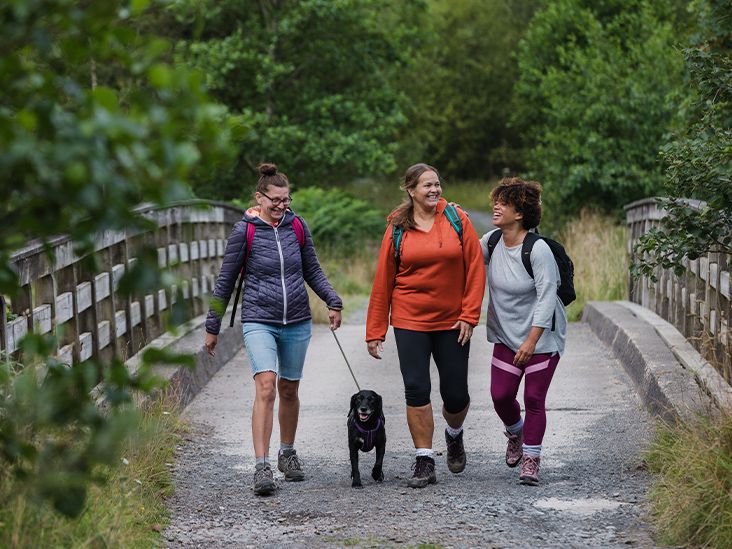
(275,275)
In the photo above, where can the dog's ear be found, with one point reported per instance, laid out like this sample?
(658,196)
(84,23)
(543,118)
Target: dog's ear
(353,401)
(379,406)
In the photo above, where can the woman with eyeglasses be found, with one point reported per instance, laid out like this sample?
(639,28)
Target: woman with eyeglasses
(275,314)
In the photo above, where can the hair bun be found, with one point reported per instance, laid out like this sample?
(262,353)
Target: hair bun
(268,169)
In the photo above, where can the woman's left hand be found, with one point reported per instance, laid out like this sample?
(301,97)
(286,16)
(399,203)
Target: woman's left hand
(524,353)
(466,331)
(335,319)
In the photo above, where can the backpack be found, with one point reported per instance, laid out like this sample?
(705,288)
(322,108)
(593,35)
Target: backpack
(566,267)
(251,227)
(398,232)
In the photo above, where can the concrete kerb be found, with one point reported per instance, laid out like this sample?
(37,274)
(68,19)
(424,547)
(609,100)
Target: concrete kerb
(184,382)
(710,381)
(668,389)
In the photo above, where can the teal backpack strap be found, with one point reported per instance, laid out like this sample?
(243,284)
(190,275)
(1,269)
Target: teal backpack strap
(396,237)
(454,219)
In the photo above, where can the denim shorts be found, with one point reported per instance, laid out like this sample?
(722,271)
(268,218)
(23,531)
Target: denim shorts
(278,349)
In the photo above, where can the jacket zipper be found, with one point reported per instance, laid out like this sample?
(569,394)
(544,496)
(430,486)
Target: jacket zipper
(282,277)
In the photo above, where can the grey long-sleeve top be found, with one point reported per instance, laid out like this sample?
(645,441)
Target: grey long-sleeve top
(275,275)
(517,302)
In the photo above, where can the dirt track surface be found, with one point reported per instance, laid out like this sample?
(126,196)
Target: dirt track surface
(592,479)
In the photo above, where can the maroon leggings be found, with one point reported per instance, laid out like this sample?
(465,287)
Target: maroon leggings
(505,380)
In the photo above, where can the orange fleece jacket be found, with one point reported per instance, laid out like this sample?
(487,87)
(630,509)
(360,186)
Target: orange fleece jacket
(438,283)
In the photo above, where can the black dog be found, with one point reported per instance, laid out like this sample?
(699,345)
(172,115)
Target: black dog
(366,431)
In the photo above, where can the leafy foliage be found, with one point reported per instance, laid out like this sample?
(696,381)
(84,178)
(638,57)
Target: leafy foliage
(463,83)
(312,82)
(594,99)
(699,158)
(338,221)
(92,122)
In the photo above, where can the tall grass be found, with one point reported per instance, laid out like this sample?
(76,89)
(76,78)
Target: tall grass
(691,499)
(127,509)
(351,277)
(597,246)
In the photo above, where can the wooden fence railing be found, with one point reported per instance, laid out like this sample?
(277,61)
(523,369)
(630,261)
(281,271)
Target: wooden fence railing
(91,319)
(697,302)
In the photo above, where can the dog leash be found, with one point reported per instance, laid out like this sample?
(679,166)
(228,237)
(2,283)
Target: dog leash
(344,358)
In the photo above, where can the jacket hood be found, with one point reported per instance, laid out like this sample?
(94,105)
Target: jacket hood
(252,216)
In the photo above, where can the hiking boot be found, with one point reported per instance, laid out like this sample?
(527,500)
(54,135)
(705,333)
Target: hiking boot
(530,470)
(264,483)
(289,463)
(455,453)
(424,472)
(514,448)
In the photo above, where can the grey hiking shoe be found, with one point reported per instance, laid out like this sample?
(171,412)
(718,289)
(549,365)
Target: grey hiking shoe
(455,453)
(530,470)
(290,464)
(424,472)
(514,448)
(264,483)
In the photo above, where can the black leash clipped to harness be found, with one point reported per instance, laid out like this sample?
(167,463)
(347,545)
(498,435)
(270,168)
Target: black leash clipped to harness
(344,358)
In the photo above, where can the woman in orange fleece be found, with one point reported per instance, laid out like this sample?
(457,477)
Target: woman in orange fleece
(433,287)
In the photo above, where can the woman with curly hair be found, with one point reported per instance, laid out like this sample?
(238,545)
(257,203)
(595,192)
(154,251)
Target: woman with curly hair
(526,320)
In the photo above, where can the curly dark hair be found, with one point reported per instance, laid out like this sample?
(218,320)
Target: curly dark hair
(523,196)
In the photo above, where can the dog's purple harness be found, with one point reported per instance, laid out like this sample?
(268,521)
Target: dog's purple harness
(368,436)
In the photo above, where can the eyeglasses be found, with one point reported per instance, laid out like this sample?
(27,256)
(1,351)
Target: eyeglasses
(278,201)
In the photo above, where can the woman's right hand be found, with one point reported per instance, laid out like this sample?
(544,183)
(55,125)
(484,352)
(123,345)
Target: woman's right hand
(210,343)
(375,347)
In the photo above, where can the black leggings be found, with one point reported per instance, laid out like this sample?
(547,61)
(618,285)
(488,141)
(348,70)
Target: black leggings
(451,358)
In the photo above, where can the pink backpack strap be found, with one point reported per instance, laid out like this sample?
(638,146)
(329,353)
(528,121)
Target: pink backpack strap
(299,230)
(250,238)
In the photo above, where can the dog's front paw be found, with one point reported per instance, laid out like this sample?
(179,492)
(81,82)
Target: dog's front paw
(356,483)
(377,474)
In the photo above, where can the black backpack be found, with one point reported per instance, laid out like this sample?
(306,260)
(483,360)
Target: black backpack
(566,267)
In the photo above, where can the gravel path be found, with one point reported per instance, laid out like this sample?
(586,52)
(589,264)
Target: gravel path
(592,479)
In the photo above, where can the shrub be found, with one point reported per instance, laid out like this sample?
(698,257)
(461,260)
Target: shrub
(338,221)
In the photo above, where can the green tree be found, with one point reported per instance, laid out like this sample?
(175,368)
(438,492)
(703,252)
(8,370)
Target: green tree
(699,157)
(595,99)
(92,122)
(311,82)
(463,83)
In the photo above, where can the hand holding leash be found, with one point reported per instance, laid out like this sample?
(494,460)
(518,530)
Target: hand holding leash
(335,317)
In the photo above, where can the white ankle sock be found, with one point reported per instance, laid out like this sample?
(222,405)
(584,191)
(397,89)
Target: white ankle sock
(515,429)
(533,450)
(427,452)
(453,432)
(284,446)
